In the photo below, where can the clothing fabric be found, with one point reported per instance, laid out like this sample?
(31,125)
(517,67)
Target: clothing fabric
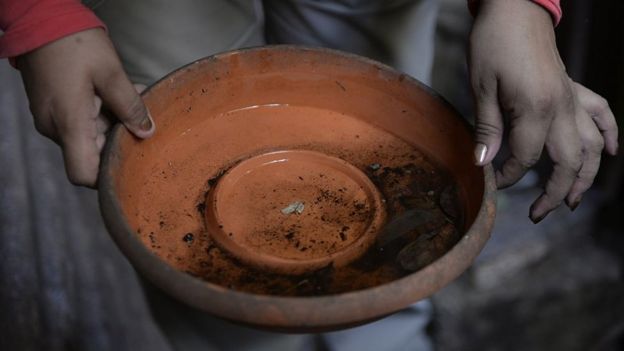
(154,37)
(188,329)
(399,33)
(29,24)
(151,43)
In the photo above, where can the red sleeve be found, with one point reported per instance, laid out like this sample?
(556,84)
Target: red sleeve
(551,6)
(29,24)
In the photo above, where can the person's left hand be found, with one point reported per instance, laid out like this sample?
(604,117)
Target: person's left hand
(517,75)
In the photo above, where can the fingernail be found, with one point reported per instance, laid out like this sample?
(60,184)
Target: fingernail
(479,153)
(537,219)
(575,203)
(146,123)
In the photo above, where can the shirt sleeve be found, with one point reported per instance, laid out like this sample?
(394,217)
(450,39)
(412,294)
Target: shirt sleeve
(29,24)
(552,6)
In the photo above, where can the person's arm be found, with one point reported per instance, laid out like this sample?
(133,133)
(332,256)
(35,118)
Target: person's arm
(70,70)
(520,83)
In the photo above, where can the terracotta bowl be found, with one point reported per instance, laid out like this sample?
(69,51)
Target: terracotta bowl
(297,189)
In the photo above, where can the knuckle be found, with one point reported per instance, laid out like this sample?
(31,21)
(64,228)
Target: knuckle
(135,110)
(601,105)
(595,145)
(574,165)
(480,88)
(114,74)
(570,167)
(553,95)
(587,175)
(131,109)
(486,129)
(541,104)
(529,160)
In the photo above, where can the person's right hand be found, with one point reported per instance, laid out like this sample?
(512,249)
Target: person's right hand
(67,82)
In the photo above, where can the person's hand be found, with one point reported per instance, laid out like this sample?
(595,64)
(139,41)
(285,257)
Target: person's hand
(67,82)
(516,73)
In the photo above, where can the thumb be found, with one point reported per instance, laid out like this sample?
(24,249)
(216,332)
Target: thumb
(121,97)
(488,125)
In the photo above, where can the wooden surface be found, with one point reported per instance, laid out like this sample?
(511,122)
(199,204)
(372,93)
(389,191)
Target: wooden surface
(63,283)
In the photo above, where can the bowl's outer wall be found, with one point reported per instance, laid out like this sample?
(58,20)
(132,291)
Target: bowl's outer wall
(319,77)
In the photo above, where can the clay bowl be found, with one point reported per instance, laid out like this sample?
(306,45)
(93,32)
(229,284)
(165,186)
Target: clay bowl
(297,189)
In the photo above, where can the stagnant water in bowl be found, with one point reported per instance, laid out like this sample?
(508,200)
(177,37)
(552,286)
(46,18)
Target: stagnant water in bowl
(424,218)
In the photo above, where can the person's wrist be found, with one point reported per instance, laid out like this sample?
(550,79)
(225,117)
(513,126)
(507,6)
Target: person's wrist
(523,7)
(527,9)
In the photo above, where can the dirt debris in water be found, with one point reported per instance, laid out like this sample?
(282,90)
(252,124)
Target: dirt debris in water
(424,222)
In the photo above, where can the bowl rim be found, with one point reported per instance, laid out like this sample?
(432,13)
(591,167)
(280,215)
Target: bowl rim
(298,314)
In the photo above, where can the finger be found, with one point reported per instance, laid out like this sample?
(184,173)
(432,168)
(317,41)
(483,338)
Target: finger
(120,96)
(527,136)
(43,118)
(489,122)
(102,125)
(564,147)
(76,126)
(593,145)
(598,108)
(46,127)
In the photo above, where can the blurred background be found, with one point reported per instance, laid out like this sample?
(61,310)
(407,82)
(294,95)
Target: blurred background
(554,286)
